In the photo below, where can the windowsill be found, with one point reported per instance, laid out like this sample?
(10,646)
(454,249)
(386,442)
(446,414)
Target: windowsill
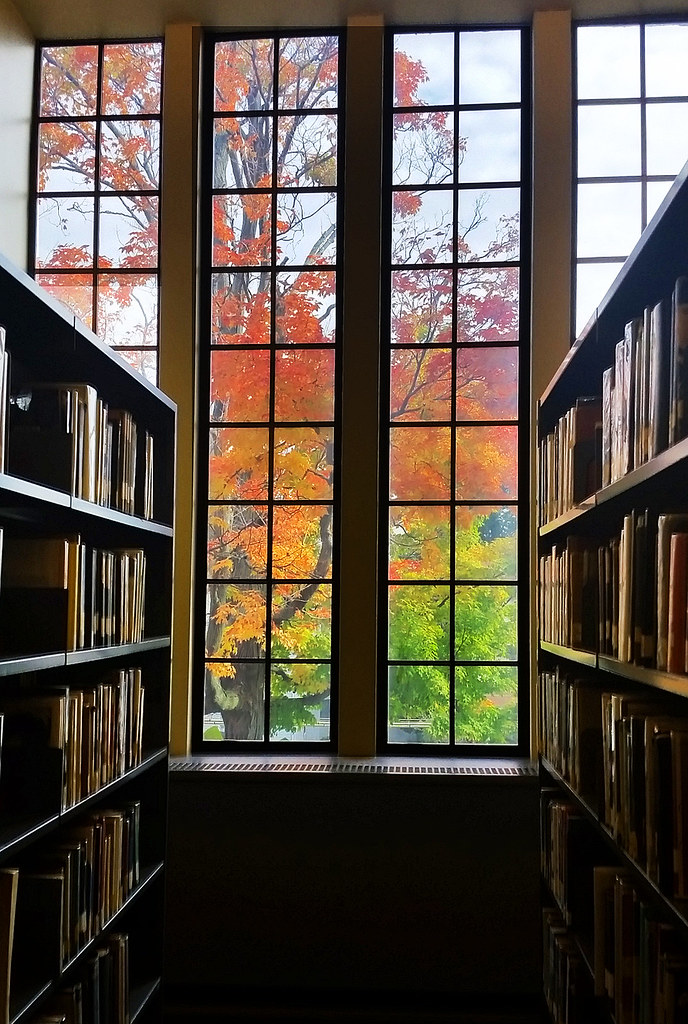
(512,769)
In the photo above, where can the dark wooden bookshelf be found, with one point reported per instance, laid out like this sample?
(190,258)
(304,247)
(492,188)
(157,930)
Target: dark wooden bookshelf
(659,485)
(48,344)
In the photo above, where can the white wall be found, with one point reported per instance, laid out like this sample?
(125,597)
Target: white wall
(16,89)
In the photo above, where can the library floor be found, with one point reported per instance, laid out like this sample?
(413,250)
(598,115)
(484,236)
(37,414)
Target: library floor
(188,1010)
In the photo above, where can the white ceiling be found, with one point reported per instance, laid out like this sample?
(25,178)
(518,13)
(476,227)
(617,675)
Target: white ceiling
(55,19)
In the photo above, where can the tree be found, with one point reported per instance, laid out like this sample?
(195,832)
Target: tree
(98,181)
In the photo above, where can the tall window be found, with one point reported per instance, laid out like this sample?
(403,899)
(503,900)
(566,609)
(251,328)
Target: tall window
(632,140)
(457,364)
(270,322)
(97,180)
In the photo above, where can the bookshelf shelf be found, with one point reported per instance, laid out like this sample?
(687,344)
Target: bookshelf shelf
(77,732)
(610,570)
(588,658)
(677,912)
(561,522)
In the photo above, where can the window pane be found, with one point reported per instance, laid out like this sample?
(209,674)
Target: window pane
(301,622)
(241,230)
(306,307)
(418,623)
(244,74)
(423,69)
(130,155)
(131,78)
(609,140)
(307,148)
(489,228)
(238,463)
(420,463)
(300,703)
(490,145)
(422,227)
(242,154)
(486,704)
(490,67)
(592,283)
(303,463)
(306,228)
(308,72)
(240,385)
(486,463)
(608,61)
(418,704)
(235,620)
(486,542)
(422,148)
(75,291)
(421,303)
(144,361)
(240,309)
(128,235)
(419,542)
(66,156)
(488,304)
(234,702)
(237,541)
(486,623)
(69,81)
(64,232)
(127,309)
(666,73)
(609,221)
(656,191)
(302,542)
(667,138)
(421,384)
(304,384)
(487,383)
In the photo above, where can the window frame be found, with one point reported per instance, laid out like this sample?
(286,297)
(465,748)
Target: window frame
(643,178)
(96,191)
(454,748)
(204,424)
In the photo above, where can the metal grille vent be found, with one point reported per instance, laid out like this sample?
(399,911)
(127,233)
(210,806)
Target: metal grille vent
(352,768)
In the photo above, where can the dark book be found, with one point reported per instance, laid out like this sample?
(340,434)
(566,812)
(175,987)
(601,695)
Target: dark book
(37,953)
(678,418)
(8,902)
(587,458)
(660,382)
(40,443)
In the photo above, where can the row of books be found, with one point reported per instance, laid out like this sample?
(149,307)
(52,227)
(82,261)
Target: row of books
(626,755)
(80,596)
(639,960)
(566,986)
(626,598)
(100,995)
(569,463)
(97,729)
(60,899)
(640,409)
(64,435)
